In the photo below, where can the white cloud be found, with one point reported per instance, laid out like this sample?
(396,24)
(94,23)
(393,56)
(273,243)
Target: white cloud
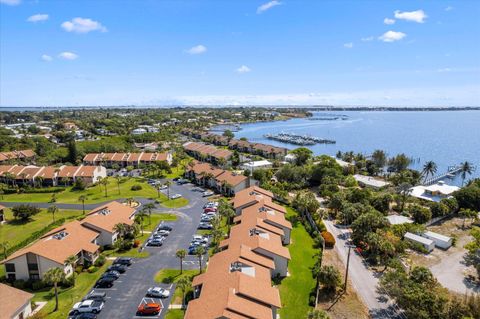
(418,16)
(68,56)
(388,21)
(449,8)
(392,36)
(444,70)
(367,39)
(243,69)
(348,45)
(38,17)
(83,25)
(267,6)
(11,2)
(198,49)
(46,58)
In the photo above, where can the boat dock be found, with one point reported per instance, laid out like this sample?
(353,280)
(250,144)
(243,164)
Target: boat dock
(297,139)
(450,173)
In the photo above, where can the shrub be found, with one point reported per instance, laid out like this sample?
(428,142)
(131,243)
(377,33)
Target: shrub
(329,239)
(68,281)
(419,213)
(136,187)
(38,285)
(136,243)
(100,261)
(79,269)
(92,269)
(25,211)
(20,284)
(79,184)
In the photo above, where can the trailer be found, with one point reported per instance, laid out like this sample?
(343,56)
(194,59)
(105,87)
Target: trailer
(440,240)
(428,244)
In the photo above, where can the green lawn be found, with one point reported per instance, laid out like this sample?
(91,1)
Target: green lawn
(68,296)
(173,275)
(95,194)
(175,203)
(175,314)
(295,289)
(14,232)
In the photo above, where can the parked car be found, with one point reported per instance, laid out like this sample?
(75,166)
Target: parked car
(203,239)
(88,306)
(150,308)
(162,232)
(96,295)
(155,242)
(198,189)
(163,187)
(84,315)
(205,225)
(127,261)
(207,193)
(112,273)
(182,181)
(164,227)
(211,204)
(175,196)
(158,292)
(210,209)
(105,282)
(117,267)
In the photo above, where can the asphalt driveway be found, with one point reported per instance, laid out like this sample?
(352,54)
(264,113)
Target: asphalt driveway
(128,291)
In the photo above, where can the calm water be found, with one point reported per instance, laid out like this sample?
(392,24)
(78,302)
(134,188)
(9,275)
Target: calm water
(447,138)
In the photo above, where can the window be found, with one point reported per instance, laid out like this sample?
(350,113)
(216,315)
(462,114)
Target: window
(11,277)
(10,267)
(32,267)
(34,276)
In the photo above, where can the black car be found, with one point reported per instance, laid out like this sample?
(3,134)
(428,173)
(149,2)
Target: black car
(105,282)
(164,227)
(96,295)
(118,267)
(83,315)
(111,274)
(123,261)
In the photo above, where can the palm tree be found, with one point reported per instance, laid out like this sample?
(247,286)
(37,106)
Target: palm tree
(104,182)
(148,207)
(168,183)
(183,283)
(53,210)
(404,190)
(139,218)
(430,168)
(71,261)
(38,181)
(120,228)
(129,201)
(180,254)
(5,245)
(227,211)
(199,252)
(82,198)
(53,277)
(466,168)
(118,179)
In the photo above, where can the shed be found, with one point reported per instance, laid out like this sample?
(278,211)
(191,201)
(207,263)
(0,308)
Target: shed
(441,241)
(428,244)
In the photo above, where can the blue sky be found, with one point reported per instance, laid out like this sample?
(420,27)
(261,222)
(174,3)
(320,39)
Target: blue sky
(147,52)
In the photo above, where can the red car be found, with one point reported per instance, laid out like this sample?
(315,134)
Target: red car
(146,309)
(210,209)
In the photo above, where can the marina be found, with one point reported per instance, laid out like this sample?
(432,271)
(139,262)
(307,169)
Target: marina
(329,117)
(298,139)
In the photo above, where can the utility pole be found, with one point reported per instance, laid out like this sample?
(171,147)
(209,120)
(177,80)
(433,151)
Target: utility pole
(348,264)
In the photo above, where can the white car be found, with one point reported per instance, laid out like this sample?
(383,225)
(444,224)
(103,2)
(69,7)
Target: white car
(162,232)
(207,193)
(94,306)
(175,196)
(158,292)
(163,187)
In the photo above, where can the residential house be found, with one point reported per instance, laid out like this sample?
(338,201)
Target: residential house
(435,192)
(126,159)
(15,303)
(25,155)
(208,153)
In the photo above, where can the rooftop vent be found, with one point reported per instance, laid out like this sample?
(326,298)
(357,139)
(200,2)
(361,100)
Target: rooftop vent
(235,266)
(254,232)
(104,211)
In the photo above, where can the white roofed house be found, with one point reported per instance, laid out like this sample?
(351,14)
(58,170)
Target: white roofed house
(435,192)
(368,181)
(428,244)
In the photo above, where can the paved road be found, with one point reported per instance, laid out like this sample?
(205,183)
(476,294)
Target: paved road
(129,290)
(364,281)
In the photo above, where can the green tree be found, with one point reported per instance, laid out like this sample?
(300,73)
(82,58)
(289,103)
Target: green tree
(430,168)
(420,214)
(4,246)
(180,254)
(228,134)
(317,314)
(329,277)
(119,180)
(367,223)
(53,210)
(199,252)
(139,219)
(302,155)
(148,208)
(466,168)
(53,277)
(379,158)
(403,190)
(183,284)
(104,183)
(83,198)
(468,197)
(467,213)
(72,152)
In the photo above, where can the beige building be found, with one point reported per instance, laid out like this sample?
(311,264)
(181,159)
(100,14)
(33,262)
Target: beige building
(14,303)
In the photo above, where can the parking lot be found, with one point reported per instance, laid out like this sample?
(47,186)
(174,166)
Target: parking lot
(129,291)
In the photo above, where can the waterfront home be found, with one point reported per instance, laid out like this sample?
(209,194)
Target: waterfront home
(240,145)
(126,159)
(368,181)
(435,192)
(269,151)
(51,250)
(104,219)
(50,175)
(16,303)
(24,155)
(251,166)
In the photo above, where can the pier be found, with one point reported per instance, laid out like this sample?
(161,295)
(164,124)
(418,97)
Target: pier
(450,173)
(297,139)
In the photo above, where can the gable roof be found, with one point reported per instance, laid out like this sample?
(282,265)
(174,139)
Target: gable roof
(107,216)
(13,300)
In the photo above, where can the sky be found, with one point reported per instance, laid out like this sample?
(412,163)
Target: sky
(239,52)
